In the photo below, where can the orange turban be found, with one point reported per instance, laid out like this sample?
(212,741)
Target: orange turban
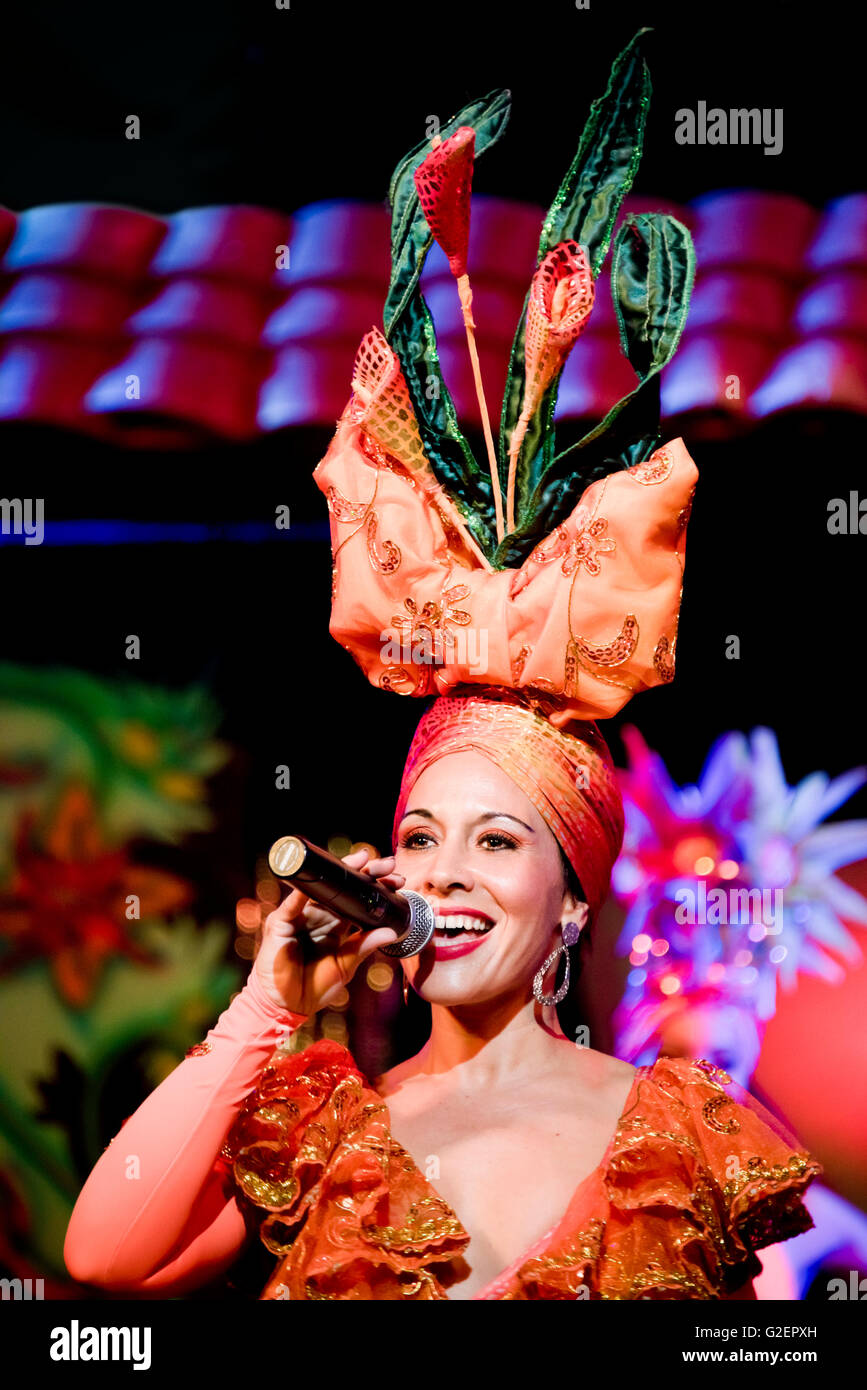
(568,776)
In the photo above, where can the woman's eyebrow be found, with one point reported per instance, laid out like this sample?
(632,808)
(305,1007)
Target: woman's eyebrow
(486,815)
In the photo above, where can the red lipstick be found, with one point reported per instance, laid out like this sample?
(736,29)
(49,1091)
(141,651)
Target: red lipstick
(447,950)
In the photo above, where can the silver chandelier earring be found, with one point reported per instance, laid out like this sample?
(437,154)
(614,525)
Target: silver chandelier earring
(571,933)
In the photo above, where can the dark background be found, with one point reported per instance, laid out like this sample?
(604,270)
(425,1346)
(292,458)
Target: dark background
(248,104)
(245,103)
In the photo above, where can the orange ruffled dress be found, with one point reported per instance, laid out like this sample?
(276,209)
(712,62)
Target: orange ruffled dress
(698,1176)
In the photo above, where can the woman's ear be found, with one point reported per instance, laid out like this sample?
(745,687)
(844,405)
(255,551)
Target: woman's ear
(573,894)
(575,910)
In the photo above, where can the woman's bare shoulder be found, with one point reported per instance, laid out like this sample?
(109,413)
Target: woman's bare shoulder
(392,1080)
(598,1069)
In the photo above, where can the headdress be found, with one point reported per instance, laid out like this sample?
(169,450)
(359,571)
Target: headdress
(551,578)
(730,884)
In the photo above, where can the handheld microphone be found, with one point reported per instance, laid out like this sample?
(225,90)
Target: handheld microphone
(356,896)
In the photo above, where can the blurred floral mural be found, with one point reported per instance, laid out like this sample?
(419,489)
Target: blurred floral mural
(106,975)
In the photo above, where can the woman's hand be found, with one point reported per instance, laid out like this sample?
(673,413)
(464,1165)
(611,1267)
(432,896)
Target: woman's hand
(304,976)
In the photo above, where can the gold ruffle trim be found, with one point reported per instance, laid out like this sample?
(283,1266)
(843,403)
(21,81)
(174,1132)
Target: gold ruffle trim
(695,1183)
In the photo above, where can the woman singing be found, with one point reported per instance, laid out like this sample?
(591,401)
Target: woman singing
(560,1171)
(502,1161)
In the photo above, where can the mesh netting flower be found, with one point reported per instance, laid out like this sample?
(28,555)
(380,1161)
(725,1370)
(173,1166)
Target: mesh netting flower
(444,184)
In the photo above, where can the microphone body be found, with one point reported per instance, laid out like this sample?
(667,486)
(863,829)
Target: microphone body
(355,896)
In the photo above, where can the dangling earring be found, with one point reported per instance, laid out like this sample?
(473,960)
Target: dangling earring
(571,933)
(405,989)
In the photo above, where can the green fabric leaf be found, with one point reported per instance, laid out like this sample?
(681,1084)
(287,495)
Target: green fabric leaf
(584,210)
(601,174)
(409,326)
(652,275)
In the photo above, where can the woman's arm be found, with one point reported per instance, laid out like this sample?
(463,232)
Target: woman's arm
(157,1213)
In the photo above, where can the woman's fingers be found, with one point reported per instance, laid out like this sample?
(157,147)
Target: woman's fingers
(384,870)
(348,944)
(382,867)
(377,868)
(286,911)
(372,940)
(295,901)
(349,953)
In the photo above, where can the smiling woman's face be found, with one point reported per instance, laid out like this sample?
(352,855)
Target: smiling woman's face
(471,839)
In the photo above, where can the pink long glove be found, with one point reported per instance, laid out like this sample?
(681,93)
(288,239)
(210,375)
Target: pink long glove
(177,1224)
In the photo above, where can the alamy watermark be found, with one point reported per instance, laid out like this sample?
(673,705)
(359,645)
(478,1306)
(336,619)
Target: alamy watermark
(717,907)
(77,1343)
(742,126)
(22,1290)
(465,647)
(847,517)
(17,518)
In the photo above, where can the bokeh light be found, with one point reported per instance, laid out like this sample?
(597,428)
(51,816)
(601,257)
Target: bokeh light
(268,890)
(692,851)
(248,914)
(334,1027)
(339,845)
(379,975)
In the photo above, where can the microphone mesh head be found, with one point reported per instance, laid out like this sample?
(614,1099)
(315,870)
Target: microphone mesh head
(421,927)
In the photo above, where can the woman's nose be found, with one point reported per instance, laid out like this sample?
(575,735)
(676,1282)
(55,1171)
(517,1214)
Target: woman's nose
(447,868)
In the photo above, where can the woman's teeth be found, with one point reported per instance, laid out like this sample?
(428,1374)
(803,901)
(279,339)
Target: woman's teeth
(454,924)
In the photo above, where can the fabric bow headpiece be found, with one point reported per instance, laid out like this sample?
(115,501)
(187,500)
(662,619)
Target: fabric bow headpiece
(575,607)
(581,598)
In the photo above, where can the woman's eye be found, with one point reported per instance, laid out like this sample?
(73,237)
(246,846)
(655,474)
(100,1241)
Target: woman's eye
(411,840)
